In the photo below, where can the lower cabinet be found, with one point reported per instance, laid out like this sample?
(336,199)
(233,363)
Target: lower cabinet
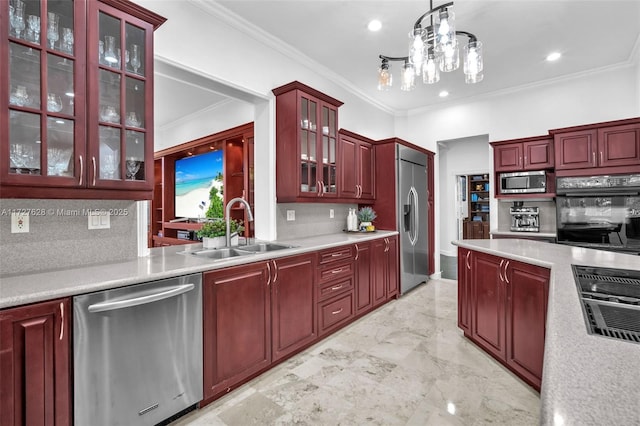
(35,364)
(384,269)
(363,278)
(336,304)
(502,307)
(254,315)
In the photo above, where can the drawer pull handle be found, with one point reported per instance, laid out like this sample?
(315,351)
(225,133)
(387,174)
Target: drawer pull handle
(61,320)
(338,287)
(336,271)
(336,312)
(336,254)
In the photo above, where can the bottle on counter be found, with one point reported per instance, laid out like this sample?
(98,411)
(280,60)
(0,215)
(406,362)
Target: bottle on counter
(352,220)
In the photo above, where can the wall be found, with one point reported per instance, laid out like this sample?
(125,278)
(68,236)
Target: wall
(457,157)
(59,236)
(311,219)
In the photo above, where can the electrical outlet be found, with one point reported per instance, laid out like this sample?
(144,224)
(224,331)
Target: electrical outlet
(19,222)
(331,214)
(99,219)
(291,215)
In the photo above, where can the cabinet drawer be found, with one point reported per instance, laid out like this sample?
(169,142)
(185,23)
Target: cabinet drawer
(332,288)
(336,312)
(334,272)
(336,254)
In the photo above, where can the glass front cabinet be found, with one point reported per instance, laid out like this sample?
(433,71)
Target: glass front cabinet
(76,97)
(306,144)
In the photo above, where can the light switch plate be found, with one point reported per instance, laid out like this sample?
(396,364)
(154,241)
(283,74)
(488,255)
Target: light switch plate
(19,222)
(291,215)
(99,219)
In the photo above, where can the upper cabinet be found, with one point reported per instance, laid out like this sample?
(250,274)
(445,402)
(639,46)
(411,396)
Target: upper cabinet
(76,99)
(306,144)
(523,154)
(602,148)
(357,166)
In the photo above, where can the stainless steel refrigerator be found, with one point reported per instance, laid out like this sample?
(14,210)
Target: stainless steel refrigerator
(411,187)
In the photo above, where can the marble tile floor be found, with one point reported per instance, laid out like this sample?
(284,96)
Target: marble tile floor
(405,364)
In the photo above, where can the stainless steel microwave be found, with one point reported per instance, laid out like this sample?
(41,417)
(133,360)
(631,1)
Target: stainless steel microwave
(523,182)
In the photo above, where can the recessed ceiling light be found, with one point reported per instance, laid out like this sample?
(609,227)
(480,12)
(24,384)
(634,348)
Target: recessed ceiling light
(554,56)
(374,25)
(443,94)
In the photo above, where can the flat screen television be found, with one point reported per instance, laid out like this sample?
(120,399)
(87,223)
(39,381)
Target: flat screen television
(195,175)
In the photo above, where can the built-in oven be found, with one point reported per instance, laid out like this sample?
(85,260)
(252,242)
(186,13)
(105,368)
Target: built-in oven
(601,212)
(523,182)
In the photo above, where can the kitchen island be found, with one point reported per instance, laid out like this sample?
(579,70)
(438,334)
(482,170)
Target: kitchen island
(587,379)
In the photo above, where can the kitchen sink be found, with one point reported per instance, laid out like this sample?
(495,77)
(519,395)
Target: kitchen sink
(221,253)
(264,247)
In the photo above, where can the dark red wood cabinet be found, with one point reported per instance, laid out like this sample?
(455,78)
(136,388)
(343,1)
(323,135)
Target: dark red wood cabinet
(598,149)
(534,153)
(76,111)
(357,166)
(502,307)
(363,279)
(35,364)
(336,292)
(307,154)
(384,269)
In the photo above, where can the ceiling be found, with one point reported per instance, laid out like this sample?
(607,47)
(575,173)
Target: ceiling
(517,36)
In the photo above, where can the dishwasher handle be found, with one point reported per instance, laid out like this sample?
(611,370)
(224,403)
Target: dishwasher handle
(141,300)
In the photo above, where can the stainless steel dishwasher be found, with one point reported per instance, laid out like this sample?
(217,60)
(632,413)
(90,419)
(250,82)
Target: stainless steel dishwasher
(138,352)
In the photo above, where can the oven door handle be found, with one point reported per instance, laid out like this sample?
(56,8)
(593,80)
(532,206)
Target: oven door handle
(140,300)
(599,193)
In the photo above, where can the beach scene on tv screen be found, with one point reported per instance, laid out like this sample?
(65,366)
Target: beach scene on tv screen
(195,176)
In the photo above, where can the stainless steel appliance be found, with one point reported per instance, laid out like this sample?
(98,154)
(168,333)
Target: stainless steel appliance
(523,182)
(524,219)
(411,169)
(601,212)
(138,352)
(610,301)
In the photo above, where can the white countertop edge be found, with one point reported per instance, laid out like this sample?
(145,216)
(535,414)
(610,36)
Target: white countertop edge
(524,234)
(162,263)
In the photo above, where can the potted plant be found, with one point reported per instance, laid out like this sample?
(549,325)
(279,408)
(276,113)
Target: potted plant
(214,233)
(366,215)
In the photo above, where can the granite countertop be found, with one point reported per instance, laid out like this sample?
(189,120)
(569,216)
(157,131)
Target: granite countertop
(587,379)
(163,262)
(541,234)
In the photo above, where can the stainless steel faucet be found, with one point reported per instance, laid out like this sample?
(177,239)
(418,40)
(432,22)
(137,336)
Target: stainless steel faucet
(228,216)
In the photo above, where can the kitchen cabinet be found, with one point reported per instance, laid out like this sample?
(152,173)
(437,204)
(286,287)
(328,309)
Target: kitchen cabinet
(77,100)
(464,290)
(502,307)
(357,166)
(477,225)
(254,315)
(534,153)
(35,364)
(363,278)
(475,230)
(306,144)
(598,149)
(384,261)
(336,302)
(293,304)
(237,326)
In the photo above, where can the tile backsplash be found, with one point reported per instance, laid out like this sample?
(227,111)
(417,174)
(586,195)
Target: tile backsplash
(311,219)
(59,237)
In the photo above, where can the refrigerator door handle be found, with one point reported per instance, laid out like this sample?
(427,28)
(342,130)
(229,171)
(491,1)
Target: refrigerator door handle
(413,195)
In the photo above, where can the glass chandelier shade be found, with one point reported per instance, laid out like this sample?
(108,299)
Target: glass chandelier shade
(417,49)
(473,61)
(408,77)
(445,29)
(430,69)
(385,78)
(450,57)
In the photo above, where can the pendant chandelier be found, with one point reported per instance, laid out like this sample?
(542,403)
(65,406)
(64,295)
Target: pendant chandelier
(432,50)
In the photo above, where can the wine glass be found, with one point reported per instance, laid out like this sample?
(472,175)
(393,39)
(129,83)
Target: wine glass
(52,28)
(18,23)
(132,168)
(17,160)
(67,40)
(135,57)
(54,103)
(34,27)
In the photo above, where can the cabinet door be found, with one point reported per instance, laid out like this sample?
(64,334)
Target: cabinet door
(293,304)
(327,151)
(507,157)
(488,307)
(620,146)
(363,292)
(527,288)
(35,364)
(464,290)
(120,68)
(538,154)
(42,127)
(379,271)
(366,171)
(575,150)
(392,275)
(349,149)
(237,325)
